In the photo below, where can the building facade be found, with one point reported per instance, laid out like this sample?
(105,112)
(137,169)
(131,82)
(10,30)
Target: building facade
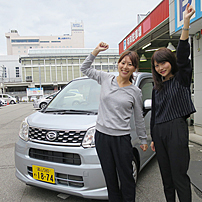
(10,71)
(162,27)
(54,68)
(19,45)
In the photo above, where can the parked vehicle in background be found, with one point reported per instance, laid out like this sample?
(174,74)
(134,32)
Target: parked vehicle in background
(8,98)
(33,98)
(3,102)
(24,99)
(43,101)
(56,145)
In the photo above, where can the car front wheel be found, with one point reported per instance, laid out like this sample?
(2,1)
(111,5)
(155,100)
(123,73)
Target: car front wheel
(42,105)
(135,171)
(12,102)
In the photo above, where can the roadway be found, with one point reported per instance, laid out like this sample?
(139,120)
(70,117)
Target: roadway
(149,185)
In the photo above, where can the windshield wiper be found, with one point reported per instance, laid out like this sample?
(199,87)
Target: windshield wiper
(71,111)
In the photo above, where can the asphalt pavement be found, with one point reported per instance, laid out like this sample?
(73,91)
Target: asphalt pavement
(149,185)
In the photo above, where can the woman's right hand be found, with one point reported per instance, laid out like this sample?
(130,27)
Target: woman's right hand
(152,146)
(100,47)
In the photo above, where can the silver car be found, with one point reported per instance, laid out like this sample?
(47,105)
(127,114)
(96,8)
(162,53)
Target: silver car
(56,148)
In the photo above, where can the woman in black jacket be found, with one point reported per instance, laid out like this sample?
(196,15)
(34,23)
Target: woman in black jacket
(171,106)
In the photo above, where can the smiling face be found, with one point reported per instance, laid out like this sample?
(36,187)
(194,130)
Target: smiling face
(126,68)
(164,69)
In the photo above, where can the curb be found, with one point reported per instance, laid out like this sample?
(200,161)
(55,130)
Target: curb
(193,137)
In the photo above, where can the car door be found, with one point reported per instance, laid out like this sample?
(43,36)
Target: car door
(5,97)
(146,85)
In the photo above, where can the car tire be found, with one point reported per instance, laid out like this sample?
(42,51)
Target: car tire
(43,105)
(12,102)
(135,169)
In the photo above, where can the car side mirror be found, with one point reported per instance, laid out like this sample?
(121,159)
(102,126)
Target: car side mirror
(147,104)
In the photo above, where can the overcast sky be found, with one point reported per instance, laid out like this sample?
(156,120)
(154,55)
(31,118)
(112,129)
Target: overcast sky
(104,20)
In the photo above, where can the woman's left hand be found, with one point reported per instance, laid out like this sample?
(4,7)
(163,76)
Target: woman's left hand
(144,147)
(189,11)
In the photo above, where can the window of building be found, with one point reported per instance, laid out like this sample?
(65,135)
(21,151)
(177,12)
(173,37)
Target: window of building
(98,67)
(17,71)
(55,41)
(4,72)
(28,78)
(24,40)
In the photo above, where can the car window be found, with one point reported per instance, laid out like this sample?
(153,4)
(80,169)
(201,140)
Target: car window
(51,96)
(81,94)
(5,96)
(146,86)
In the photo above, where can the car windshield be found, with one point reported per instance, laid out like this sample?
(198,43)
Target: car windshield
(78,96)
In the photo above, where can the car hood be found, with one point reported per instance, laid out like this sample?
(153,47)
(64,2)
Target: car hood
(61,122)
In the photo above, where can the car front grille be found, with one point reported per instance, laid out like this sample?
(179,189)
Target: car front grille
(64,179)
(54,156)
(69,138)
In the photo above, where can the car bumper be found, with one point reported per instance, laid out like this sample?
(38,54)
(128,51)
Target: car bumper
(88,177)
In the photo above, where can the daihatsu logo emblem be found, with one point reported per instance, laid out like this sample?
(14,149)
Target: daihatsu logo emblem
(51,136)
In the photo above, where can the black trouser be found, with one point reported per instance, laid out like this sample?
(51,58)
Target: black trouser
(171,144)
(116,155)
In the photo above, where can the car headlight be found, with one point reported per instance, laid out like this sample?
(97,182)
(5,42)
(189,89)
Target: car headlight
(24,130)
(89,138)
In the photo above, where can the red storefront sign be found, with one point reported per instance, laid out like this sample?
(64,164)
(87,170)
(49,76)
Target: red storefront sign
(156,17)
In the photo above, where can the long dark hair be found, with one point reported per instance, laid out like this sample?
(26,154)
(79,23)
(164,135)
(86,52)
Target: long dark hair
(162,55)
(134,57)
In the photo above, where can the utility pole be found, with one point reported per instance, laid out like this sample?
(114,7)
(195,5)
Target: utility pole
(2,76)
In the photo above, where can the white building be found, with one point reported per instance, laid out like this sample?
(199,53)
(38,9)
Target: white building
(19,45)
(54,68)
(49,68)
(10,71)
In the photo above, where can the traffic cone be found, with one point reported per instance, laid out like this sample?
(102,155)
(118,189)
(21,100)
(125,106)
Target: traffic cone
(7,102)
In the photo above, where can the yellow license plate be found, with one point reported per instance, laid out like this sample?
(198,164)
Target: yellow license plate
(43,174)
